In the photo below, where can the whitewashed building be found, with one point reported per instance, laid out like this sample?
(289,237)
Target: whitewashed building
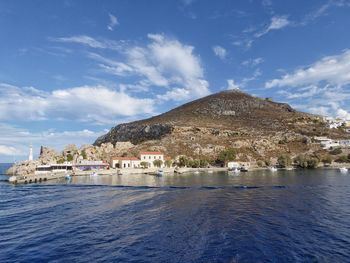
(125,162)
(233,165)
(150,157)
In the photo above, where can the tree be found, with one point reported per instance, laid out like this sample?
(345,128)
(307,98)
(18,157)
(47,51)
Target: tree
(183,161)
(83,154)
(168,163)
(327,159)
(306,161)
(284,160)
(203,163)
(157,163)
(144,165)
(260,163)
(227,155)
(195,164)
(69,157)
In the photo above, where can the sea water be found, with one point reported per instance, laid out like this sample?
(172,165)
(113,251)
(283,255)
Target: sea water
(286,216)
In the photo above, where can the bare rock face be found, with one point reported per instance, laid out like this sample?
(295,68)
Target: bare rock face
(23,168)
(134,133)
(48,156)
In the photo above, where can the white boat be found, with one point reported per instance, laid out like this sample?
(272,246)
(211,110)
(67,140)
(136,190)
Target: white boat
(289,168)
(159,172)
(210,172)
(94,174)
(236,170)
(273,169)
(196,172)
(343,170)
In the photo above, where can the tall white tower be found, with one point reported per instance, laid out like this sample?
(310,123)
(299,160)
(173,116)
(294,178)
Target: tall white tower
(30,158)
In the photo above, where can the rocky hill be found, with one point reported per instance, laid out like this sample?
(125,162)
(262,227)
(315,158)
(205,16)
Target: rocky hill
(257,127)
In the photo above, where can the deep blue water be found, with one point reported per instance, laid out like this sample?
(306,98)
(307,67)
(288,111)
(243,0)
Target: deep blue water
(290,216)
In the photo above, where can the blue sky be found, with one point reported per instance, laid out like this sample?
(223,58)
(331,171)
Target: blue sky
(70,70)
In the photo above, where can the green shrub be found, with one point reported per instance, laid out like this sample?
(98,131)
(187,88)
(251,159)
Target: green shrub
(284,160)
(83,154)
(327,159)
(69,157)
(144,164)
(336,151)
(168,163)
(306,161)
(342,159)
(227,155)
(260,163)
(203,163)
(157,163)
(183,161)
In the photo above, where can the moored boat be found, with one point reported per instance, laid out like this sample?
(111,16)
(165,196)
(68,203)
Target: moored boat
(273,169)
(343,170)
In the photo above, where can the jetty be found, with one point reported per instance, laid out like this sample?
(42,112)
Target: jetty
(35,178)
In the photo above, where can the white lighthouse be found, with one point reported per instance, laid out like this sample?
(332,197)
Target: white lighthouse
(30,158)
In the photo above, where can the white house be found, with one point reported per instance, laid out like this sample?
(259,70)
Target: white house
(233,165)
(150,157)
(125,162)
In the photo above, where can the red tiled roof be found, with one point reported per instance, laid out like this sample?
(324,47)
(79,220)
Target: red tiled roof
(154,153)
(125,158)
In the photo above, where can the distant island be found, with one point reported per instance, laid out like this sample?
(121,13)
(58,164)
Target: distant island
(226,126)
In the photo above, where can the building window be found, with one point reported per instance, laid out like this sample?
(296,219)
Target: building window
(144,157)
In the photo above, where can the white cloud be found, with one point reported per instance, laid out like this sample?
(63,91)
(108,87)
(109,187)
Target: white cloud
(113,22)
(220,52)
(97,104)
(15,141)
(91,42)
(343,114)
(164,62)
(252,62)
(276,23)
(323,86)
(9,150)
(332,69)
(231,85)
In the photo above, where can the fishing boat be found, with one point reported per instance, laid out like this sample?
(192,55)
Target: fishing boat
(273,169)
(244,169)
(236,170)
(343,170)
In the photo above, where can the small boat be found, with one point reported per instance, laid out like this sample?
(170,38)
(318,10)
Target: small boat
(289,168)
(236,170)
(244,169)
(94,174)
(273,169)
(159,172)
(67,176)
(196,172)
(210,172)
(343,170)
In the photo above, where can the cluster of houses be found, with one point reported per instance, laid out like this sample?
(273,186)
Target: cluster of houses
(327,143)
(335,123)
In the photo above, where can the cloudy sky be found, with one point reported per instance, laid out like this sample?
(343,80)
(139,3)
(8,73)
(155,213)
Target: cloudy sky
(71,69)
